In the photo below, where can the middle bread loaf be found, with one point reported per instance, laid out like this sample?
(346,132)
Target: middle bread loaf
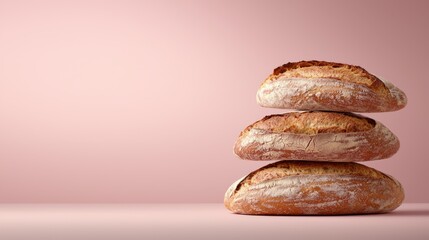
(316,136)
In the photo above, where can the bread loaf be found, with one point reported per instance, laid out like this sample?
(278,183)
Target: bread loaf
(314,188)
(320,136)
(328,86)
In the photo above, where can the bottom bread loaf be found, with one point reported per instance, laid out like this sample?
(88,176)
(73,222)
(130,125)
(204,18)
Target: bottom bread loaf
(314,188)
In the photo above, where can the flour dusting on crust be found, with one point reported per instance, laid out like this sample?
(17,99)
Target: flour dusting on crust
(318,194)
(259,144)
(328,95)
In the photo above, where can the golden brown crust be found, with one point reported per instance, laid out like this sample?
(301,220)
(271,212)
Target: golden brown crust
(314,122)
(284,168)
(318,136)
(328,86)
(333,70)
(303,64)
(314,188)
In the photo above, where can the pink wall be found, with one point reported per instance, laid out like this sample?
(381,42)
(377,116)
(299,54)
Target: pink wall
(132,101)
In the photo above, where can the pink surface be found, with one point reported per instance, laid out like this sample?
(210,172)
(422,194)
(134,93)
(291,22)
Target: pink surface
(201,221)
(135,101)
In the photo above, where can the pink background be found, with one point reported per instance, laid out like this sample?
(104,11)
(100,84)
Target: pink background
(133,101)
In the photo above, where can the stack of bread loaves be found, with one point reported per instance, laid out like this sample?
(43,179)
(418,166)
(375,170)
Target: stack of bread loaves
(318,148)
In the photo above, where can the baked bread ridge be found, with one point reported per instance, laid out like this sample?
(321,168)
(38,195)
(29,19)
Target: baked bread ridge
(259,142)
(312,122)
(314,188)
(329,86)
(314,68)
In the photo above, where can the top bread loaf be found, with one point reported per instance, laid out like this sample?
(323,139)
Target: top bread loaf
(328,86)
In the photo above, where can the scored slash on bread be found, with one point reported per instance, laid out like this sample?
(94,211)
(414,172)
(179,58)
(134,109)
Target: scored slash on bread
(318,136)
(328,86)
(314,188)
